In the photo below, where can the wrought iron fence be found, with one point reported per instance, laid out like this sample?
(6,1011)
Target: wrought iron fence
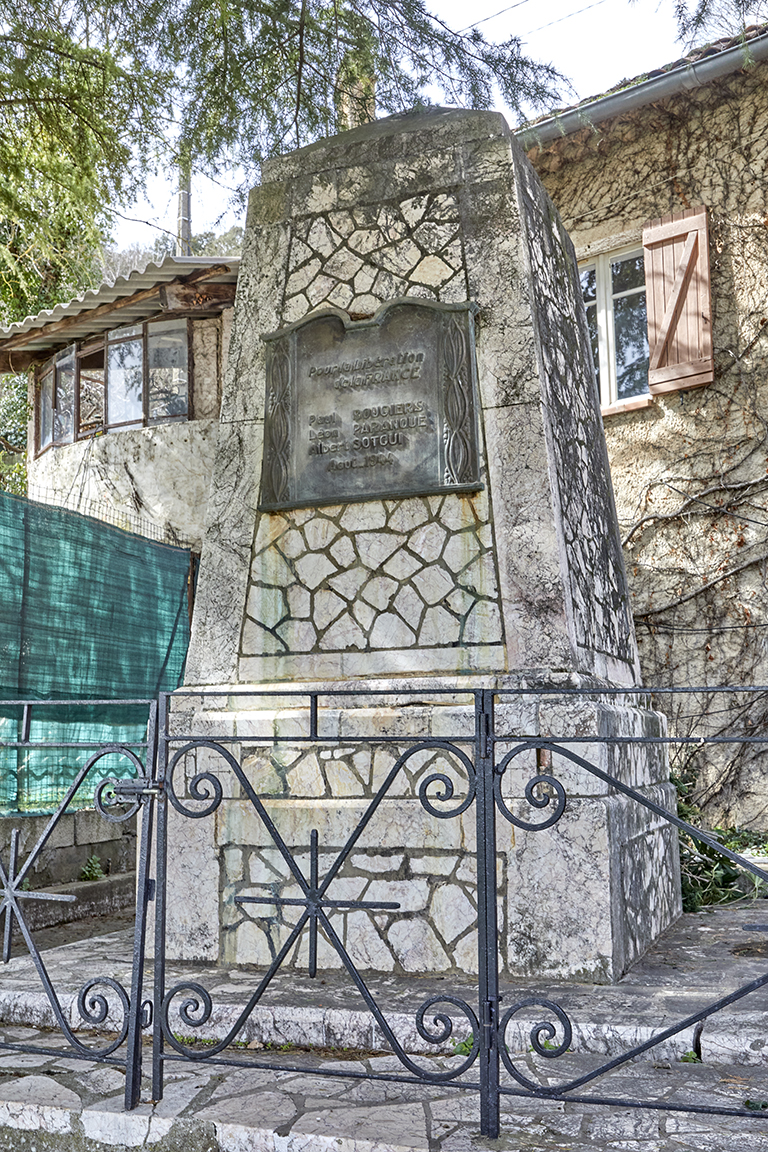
(251,863)
(64,739)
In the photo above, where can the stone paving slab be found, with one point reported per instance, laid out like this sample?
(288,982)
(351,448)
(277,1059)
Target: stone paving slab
(51,1101)
(54,1102)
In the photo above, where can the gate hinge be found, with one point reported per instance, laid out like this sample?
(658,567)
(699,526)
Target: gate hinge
(131,789)
(490,1019)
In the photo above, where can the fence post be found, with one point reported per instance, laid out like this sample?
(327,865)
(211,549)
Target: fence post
(487,926)
(136,1013)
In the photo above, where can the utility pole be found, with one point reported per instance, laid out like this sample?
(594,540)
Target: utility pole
(184,219)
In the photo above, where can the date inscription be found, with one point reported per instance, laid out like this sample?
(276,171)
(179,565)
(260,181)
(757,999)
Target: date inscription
(358,410)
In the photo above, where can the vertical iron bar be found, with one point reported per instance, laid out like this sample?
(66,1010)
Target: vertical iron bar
(313,883)
(134,1041)
(26,723)
(12,862)
(161,856)
(487,926)
(313,716)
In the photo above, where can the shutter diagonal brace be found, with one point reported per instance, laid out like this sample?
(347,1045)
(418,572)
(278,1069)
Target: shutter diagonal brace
(677,297)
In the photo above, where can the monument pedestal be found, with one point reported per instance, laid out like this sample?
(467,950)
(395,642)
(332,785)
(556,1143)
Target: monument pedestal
(412,490)
(582,899)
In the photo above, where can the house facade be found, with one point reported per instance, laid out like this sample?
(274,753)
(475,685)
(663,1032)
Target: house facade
(125,388)
(662,187)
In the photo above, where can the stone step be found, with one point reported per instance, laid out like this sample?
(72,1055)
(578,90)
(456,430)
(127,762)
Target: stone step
(703,958)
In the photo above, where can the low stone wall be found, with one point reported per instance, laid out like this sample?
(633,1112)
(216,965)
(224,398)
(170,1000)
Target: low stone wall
(91,898)
(76,837)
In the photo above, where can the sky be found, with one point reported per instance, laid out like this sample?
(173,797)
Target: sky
(595,43)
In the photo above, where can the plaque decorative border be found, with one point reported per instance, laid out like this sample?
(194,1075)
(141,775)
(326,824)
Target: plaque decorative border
(275,479)
(371,409)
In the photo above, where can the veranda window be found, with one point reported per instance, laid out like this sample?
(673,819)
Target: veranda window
(57,400)
(135,376)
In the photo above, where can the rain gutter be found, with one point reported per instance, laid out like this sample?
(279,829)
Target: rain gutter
(682,79)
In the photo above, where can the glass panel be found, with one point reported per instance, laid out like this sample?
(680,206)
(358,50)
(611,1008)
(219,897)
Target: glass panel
(125,383)
(588,277)
(631,332)
(91,398)
(592,325)
(45,410)
(124,333)
(167,358)
(627,273)
(64,407)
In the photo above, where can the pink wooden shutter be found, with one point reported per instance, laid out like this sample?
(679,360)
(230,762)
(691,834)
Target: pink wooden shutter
(676,254)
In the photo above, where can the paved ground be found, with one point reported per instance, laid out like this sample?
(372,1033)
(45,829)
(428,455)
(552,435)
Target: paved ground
(50,1101)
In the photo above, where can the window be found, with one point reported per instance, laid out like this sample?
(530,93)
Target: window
(134,376)
(649,311)
(613,287)
(57,400)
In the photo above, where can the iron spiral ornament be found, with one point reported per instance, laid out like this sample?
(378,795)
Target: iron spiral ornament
(204,786)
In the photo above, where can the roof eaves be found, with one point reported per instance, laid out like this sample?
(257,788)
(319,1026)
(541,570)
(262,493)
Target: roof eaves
(692,72)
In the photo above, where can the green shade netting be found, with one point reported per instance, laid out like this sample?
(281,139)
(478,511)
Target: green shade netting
(87,612)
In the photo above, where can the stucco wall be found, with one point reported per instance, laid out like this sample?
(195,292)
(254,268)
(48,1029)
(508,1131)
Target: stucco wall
(690,472)
(156,479)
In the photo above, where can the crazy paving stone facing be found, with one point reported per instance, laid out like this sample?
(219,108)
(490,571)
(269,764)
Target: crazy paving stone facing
(355,579)
(357,259)
(388,575)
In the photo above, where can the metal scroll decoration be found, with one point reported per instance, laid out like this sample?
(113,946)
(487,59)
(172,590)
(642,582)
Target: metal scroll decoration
(315,904)
(459,466)
(541,791)
(543,1038)
(278,425)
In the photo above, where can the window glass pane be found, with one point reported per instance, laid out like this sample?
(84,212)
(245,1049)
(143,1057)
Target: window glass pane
(46,410)
(167,362)
(592,324)
(64,404)
(588,283)
(631,333)
(124,333)
(124,383)
(628,273)
(91,398)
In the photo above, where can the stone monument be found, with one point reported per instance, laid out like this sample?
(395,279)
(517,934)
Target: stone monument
(412,491)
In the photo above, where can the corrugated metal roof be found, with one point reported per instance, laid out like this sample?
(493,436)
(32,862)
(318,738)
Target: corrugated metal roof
(154,275)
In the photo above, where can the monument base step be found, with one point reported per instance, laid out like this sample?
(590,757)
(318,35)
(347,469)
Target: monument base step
(702,958)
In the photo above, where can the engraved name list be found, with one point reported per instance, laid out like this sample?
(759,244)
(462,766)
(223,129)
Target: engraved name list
(373,408)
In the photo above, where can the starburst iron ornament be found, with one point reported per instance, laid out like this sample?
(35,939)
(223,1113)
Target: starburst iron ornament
(13,892)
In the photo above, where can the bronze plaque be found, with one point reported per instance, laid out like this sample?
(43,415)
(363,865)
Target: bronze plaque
(373,408)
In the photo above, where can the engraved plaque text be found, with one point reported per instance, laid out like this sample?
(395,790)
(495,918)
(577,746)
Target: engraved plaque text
(374,408)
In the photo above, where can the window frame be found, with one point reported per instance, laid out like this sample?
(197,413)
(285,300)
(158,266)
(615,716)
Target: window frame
(606,338)
(87,348)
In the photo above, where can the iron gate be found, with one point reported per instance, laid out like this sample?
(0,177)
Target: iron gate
(195,767)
